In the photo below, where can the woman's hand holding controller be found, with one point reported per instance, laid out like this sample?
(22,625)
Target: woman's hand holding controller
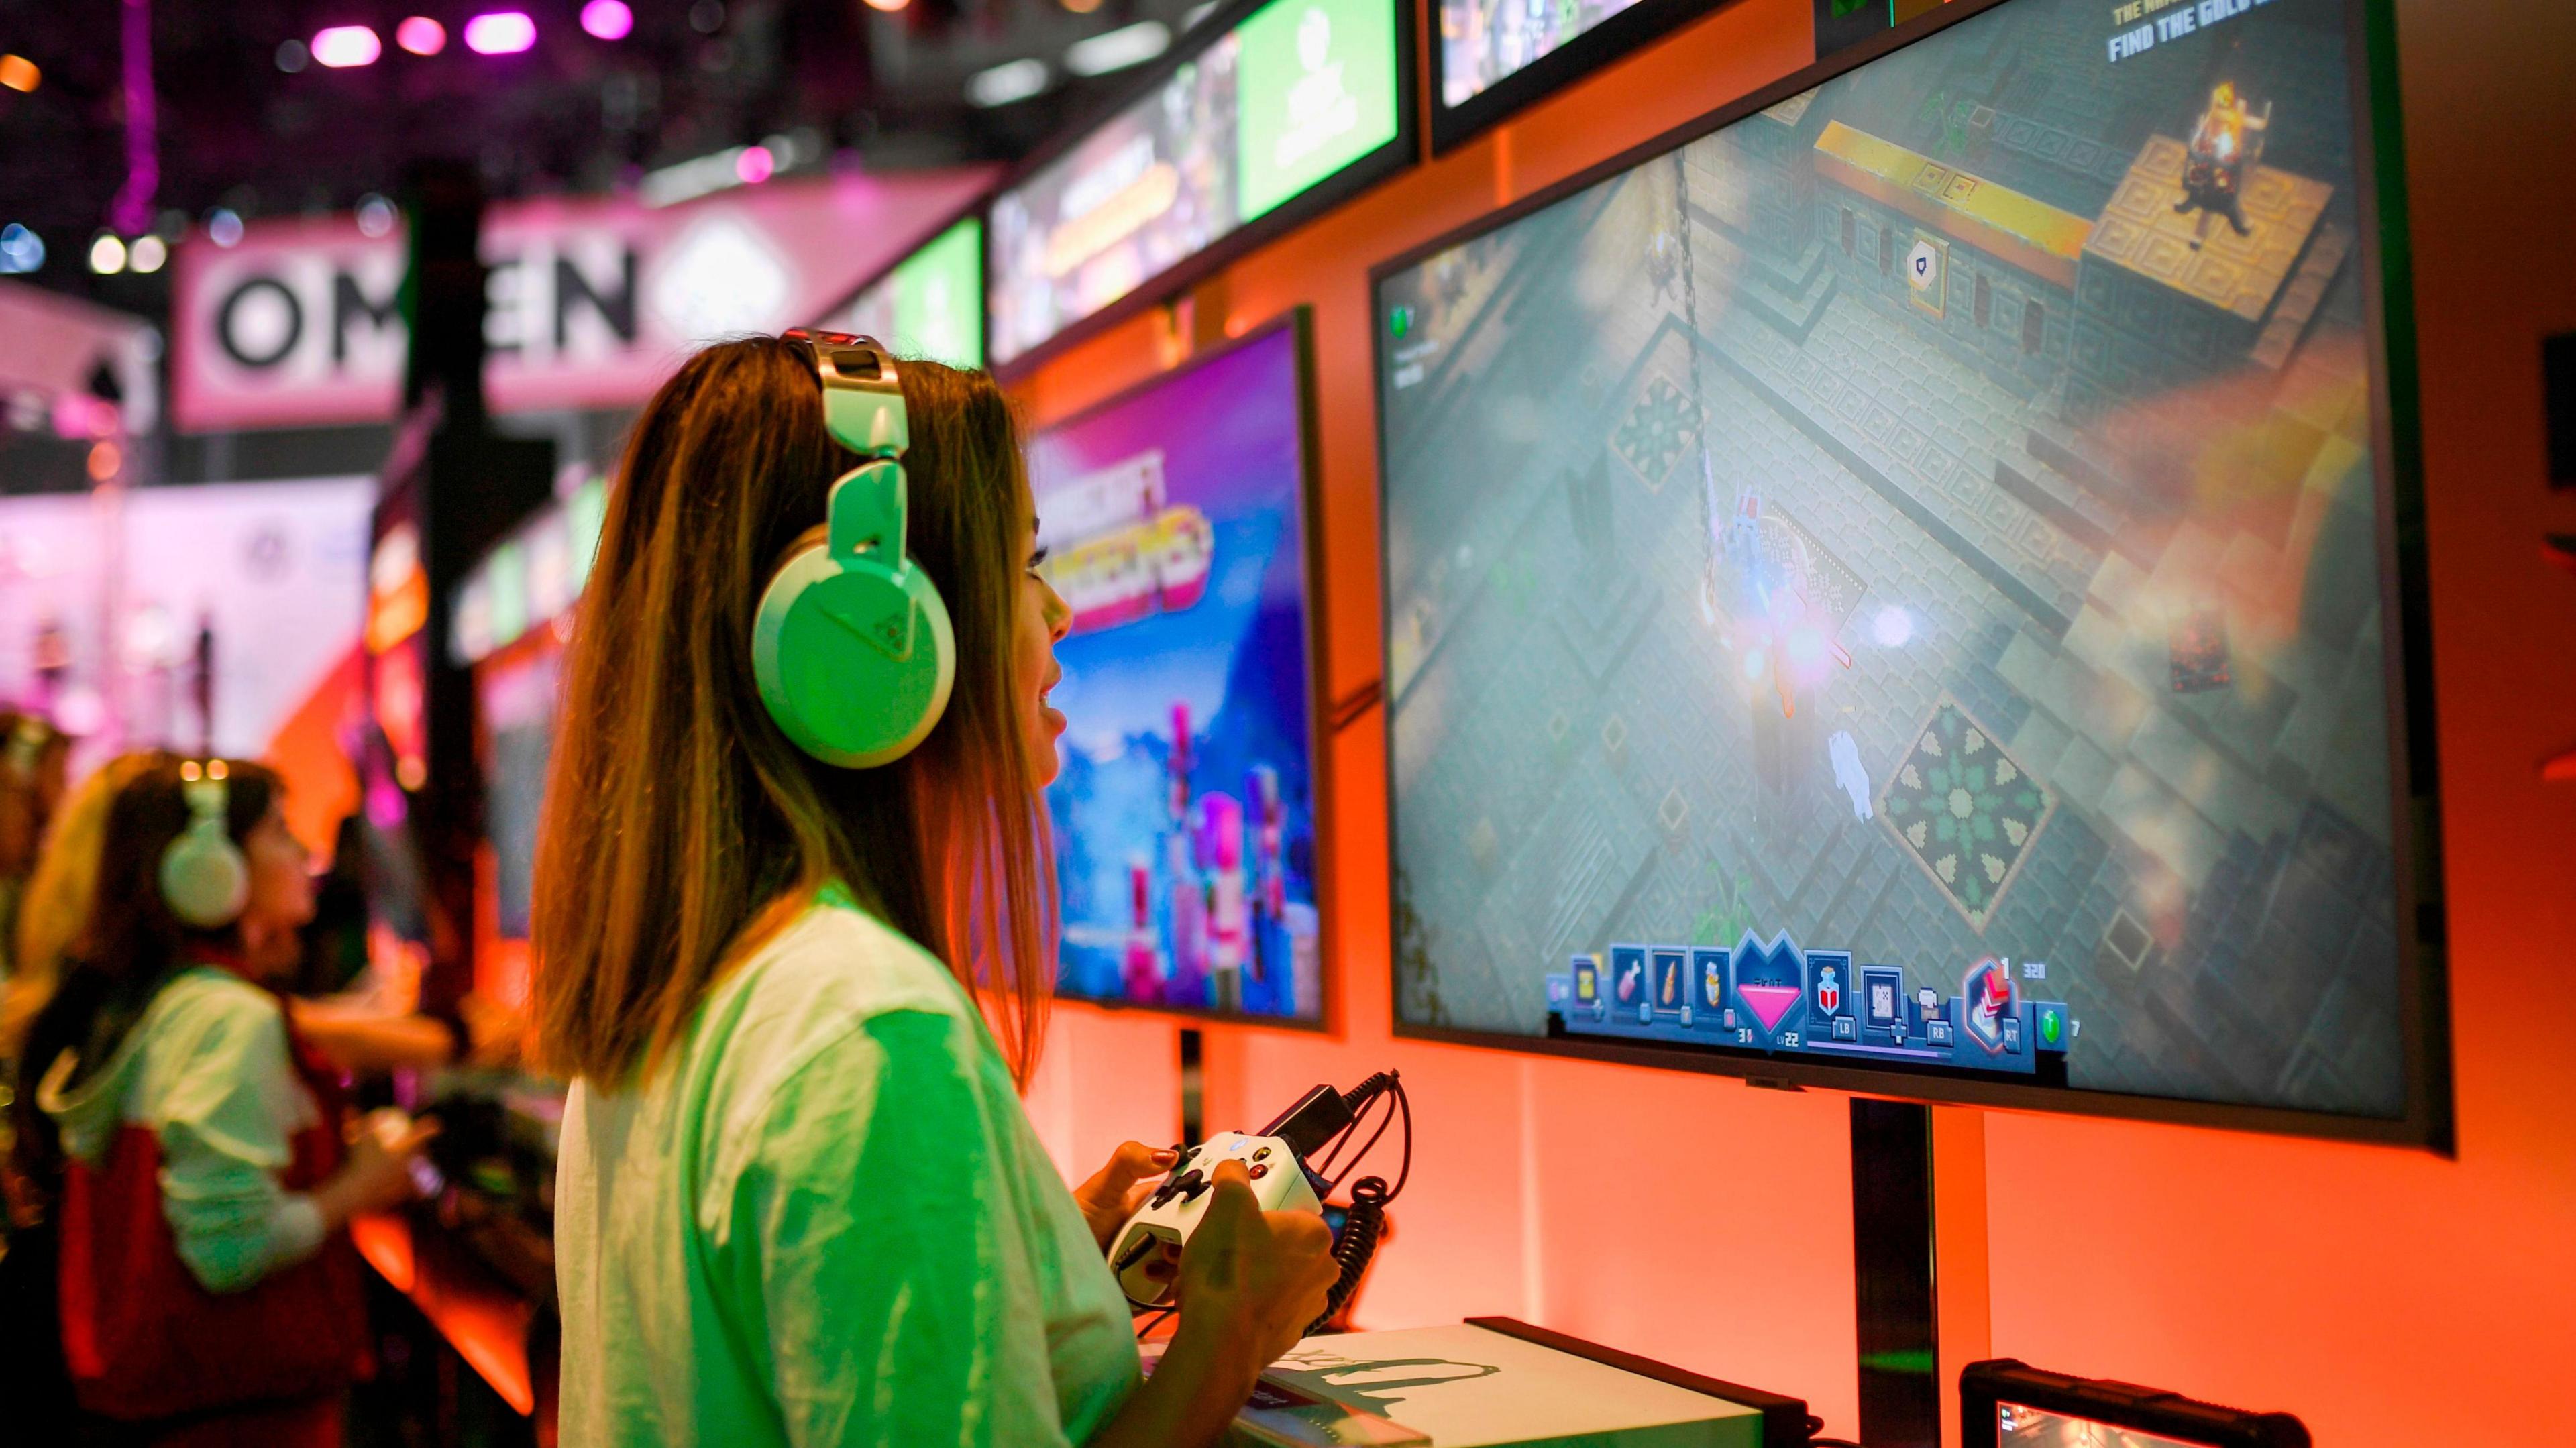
(1250,1283)
(1258,1278)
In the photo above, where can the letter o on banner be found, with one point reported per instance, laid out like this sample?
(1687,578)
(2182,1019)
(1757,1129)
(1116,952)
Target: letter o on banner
(226,315)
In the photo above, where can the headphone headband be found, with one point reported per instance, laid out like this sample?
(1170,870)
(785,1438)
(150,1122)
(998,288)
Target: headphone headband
(862,392)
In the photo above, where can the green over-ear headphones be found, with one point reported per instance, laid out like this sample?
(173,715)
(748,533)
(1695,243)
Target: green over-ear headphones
(852,648)
(205,879)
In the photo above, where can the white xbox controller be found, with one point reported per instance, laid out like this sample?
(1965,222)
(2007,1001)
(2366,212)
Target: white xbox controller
(1172,1212)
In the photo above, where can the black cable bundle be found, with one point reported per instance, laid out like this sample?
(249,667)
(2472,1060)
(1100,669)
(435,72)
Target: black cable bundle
(1366,1221)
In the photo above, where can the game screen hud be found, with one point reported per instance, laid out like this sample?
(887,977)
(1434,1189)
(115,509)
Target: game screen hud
(1897,580)
(2020,1427)
(1184,814)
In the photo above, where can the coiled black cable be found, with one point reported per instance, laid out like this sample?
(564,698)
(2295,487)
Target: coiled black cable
(1365,1223)
(1357,1243)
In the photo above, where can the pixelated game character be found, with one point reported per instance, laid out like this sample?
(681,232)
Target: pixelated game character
(2197,653)
(2224,148)
(1850,775)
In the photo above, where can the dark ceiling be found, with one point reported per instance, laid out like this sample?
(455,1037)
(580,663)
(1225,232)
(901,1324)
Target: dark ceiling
(574,114)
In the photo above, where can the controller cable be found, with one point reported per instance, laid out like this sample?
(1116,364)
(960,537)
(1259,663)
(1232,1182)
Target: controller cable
(1366,1221)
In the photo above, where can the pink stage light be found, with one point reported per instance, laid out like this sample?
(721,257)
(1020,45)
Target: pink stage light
(607,19)
(421,35)
(754,165)
(344,46)
(500,32)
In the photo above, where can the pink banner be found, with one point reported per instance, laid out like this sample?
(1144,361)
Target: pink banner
(593,300)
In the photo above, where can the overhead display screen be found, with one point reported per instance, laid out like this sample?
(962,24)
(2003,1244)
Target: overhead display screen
(1484,41)
(1295,95)
(1175,523)
(1490,58)
(931,304)
(1904,582)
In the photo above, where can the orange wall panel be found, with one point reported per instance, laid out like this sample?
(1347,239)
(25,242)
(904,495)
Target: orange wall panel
(2392,1297)
(2389,1297)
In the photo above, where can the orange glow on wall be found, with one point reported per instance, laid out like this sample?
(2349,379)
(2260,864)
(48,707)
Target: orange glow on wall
(2389,1297)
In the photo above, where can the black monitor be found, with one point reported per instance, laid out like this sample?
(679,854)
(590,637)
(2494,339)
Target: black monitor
(1490,58)
(1178,523)
(1913,584)
(2007,1404)
(1268,114)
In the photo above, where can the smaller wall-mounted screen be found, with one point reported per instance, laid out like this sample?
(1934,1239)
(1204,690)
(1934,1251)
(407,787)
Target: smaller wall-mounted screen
(1297,93)
(931,304)
(1484,42)
(1184,815)
(1493,57)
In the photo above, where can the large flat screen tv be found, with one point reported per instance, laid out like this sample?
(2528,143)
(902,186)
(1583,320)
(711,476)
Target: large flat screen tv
(1911,584)
(1280,112)
(1177,523)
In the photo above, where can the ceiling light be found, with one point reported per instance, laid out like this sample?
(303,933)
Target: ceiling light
(421,35)
(1015,80)
(292,56)
(19,73)
(342,47)
(500,32)
(107,254)
(608,19)
(888,6)
(376,216)
(1117,49)
(1080,7)
(754,165)
(224,227)
(148,253)
(707,16)
(21,250)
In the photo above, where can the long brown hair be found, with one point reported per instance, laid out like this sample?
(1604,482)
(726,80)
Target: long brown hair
(54,912)
(133,943)
(681,828)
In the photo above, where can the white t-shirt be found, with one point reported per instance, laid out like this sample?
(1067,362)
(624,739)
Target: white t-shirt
(825,1220)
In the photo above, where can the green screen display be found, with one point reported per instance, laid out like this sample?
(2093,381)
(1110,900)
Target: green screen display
(932,304)
(1297,93)
(1317,91)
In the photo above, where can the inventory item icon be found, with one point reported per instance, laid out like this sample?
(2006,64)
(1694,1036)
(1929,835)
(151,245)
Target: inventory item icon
(1987,997)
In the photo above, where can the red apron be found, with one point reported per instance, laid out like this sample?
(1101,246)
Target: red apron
(145,1340)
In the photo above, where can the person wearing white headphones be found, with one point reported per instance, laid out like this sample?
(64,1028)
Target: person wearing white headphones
(202,1188)
(795,945)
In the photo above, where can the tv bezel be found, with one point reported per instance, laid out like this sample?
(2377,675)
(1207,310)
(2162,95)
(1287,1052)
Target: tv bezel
(1299,322)
(976,211)
(2414,776)
(1364,171)
(1630,30)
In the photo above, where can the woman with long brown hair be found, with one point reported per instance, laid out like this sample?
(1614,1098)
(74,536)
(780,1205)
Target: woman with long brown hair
(795,946)
(191,1151)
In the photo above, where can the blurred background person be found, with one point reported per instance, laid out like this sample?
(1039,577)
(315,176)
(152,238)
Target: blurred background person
(191,1146)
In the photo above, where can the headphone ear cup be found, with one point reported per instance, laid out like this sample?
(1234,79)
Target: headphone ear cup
(855,659)
(204,879)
